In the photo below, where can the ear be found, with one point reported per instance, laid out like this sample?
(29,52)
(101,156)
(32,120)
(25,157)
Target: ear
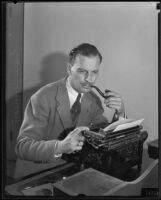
(69,68)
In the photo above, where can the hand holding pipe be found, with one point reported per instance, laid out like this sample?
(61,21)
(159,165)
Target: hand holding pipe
(116,115)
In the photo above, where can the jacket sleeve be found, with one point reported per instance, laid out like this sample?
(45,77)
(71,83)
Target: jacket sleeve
(31,144)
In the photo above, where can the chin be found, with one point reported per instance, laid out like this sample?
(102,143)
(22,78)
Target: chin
(84,90)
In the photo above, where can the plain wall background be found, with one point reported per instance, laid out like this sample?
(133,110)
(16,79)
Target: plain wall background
(126,33)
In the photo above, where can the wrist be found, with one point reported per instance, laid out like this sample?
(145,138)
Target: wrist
(122,115)
(58,148)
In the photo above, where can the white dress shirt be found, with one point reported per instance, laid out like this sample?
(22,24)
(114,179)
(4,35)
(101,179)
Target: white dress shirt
(72,94)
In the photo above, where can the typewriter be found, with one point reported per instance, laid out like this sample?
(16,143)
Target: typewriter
(111,152)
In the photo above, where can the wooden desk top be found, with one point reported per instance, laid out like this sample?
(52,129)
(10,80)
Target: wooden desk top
(53,176)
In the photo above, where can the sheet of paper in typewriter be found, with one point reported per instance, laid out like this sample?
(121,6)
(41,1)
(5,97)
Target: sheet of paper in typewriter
(123,124)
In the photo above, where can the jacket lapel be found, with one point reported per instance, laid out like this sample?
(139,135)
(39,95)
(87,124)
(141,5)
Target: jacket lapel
(63,105)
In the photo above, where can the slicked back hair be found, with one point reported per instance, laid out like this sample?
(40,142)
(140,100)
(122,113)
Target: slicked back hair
(84,49)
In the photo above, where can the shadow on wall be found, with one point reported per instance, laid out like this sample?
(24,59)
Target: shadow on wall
(53,68)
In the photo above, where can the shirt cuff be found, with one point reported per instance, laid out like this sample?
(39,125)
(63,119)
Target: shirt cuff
(56,155)
(122,118)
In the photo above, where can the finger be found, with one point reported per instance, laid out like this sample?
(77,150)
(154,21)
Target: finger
(83,128)
(77,148)
(108,94)
(77,130)
(80,138)
(113,106)
(80,144)
(117,99)
(114,103)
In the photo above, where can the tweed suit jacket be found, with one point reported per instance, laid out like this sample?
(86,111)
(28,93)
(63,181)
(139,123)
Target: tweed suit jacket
(47,115)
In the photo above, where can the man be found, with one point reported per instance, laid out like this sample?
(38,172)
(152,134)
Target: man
(49,111)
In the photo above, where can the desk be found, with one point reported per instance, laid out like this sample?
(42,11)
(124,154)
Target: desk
(51,176)
(56,174)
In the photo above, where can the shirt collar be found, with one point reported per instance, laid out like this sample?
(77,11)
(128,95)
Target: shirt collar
(70,88)
(71,91)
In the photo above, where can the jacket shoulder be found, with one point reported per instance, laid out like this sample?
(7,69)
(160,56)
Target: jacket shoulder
(47,91)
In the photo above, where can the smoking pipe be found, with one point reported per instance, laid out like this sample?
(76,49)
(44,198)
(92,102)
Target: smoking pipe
(100,92)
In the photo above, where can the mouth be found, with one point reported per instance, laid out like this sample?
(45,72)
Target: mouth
(87,86)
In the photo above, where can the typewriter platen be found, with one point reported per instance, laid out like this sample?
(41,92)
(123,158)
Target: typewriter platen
(113,153)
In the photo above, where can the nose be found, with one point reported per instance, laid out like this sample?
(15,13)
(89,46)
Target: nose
(88,77)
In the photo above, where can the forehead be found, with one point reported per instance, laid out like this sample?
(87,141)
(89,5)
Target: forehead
(87,61)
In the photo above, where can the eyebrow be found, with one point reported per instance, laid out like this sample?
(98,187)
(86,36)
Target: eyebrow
(96,70)
(82,69)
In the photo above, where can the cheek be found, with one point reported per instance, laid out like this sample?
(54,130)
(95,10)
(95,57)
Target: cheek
(95,77)
(78,77)
(75,77)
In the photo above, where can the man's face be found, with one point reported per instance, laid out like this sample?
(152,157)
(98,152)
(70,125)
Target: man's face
(84,72)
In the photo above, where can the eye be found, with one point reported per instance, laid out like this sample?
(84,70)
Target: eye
(81,71)
(95,72)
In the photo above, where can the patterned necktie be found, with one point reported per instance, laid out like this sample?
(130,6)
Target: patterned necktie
(76,108)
